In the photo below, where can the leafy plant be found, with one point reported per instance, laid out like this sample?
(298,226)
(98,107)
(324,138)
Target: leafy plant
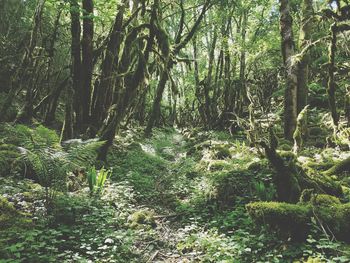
(97,179)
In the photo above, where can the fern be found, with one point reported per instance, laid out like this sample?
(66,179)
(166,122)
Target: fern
(39,149)
(9,155)
(83,155)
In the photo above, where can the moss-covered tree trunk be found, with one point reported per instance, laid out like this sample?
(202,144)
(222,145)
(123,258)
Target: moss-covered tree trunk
(288,51)
(304,39)
(180,43)
(331,86)
(105,84)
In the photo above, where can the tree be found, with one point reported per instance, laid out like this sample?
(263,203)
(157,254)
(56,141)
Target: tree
(288,51)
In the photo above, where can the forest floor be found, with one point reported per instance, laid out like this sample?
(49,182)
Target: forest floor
(175,197)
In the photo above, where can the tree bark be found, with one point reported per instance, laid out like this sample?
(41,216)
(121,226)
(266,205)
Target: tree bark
(104,86)
(87,60)
(331,86)
(290,98)
(76,60)
(27,68)
(303,67)
(180,43)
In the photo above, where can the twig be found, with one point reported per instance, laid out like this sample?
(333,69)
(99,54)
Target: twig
(153,256)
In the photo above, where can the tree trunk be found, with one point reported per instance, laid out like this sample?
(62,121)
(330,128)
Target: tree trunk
(27,68)
(87,60)
(331,77)
(104,86)
(155,113)
(303,67)
(76,61)
(68,125)
(290,99)
(180,42)
(242,65)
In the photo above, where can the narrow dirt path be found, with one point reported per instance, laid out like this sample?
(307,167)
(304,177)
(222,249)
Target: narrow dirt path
(159,244)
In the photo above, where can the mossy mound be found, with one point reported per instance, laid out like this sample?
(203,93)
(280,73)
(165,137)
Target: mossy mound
(142,218)
(290,219)
(294,220)
(228,185)
(10,217)
(325,200)
(285,147)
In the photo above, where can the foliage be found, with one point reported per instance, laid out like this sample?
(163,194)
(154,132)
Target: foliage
(264,193)
(97,179)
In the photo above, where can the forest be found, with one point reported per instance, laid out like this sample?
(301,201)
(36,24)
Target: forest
(174,131)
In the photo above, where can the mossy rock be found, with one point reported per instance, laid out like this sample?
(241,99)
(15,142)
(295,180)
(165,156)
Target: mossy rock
(313,260)
(319,166)
(142,218)
(195,150)
(260,166)
(290,219)
(325,200)
(294,219)
(326,184)
(228,185)
(10,217)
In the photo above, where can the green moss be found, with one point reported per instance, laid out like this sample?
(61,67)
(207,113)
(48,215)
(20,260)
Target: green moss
(288,156)
(293,219)
(142,217)
(10,217)
(290,219)
(284,141)
(342,166)
(325,200)
(226,186)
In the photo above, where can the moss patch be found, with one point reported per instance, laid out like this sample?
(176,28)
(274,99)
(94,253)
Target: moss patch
(293,220)
(9,216)
(142,218)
